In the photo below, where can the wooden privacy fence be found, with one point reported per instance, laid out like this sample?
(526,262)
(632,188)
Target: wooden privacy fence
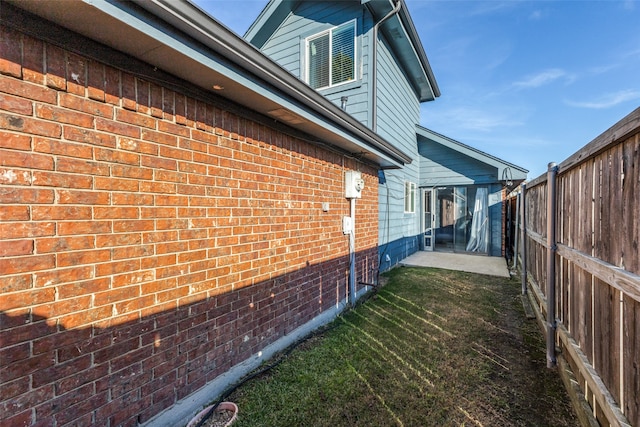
(579,236)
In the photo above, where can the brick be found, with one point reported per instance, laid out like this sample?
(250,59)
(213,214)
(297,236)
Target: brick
(115,212)
(114,156)
(120,239)
(87,317)
(11,48)
(25,160)
(137,146)
(15,141)
(27,90)
(157,212)
(75,197)
(162,137)
(32,60)
(30,125)
(62,275)
(171,176)
(168,104)
(55,67)
(168,247)
(142,96)
(63,148)
(59,115)
(80,413)
(33,296)
(76,74)
(192,168)
(158,261)
(15,283)
(136,119)
(136,277)
(84,227)
(14,388)
(63,180)
(89,136)
(157,187)
(15,247)
(87,287)
(16,105)
(132,172)
(82,166)
(158,163)
(112,86)
(129,92)
(10,176)
(91,107)
(190,115)
(132,199)
(180,109)
(67,259)
(95,81)
(137,251)
(62,307)
(175,153)
(116,295)
(117,128)
(128,226)
(39,213)
(63,244)
(116,184)
(160,236)
(155,101)
(19,230)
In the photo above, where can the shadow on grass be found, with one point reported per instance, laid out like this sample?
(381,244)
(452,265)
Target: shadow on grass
(432,347)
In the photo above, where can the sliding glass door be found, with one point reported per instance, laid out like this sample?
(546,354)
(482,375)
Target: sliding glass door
(460,218)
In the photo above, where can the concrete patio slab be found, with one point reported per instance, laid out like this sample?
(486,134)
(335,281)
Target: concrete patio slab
(491,266)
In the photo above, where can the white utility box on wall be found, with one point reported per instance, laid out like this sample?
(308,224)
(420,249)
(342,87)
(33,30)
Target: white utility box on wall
(353,184)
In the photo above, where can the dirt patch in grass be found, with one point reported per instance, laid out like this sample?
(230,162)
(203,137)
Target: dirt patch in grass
(430,348)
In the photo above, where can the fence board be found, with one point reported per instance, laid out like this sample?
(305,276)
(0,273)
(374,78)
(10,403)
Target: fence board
(631,204)
(606,359)
(631,365)
(597,287)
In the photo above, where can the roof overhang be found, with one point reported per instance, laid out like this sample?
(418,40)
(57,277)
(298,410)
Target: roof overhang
(506,172)
(401,33)
(181,39)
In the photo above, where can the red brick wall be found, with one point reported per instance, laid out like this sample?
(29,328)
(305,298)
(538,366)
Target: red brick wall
(150,240)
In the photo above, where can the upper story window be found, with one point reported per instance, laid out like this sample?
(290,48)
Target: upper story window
(331,56)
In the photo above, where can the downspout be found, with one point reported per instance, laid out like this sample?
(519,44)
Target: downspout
(352,253)
(374,66)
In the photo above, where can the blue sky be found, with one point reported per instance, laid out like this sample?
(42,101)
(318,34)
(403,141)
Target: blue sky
(527,81)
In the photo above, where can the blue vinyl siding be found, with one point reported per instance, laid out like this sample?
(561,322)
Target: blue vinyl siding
(442,166)
(398,112)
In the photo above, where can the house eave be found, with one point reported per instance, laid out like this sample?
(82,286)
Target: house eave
(181,39)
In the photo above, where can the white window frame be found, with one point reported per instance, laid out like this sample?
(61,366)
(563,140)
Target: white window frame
(409,197)
(330,32)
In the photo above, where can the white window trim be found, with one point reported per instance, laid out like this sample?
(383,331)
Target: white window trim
(329,31)
(410,191)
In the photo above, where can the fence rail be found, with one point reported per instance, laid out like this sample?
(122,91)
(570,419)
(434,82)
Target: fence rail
(580,228)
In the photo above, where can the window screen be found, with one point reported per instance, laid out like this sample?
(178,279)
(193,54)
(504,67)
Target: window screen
(331,56)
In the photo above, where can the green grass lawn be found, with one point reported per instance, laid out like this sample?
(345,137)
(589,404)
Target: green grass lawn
(430,348)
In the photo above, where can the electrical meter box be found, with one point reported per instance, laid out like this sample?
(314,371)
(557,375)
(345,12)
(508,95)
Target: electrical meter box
(353,184)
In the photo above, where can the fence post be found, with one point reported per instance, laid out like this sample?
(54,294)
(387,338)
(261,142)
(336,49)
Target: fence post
(523,238)
(551,265)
